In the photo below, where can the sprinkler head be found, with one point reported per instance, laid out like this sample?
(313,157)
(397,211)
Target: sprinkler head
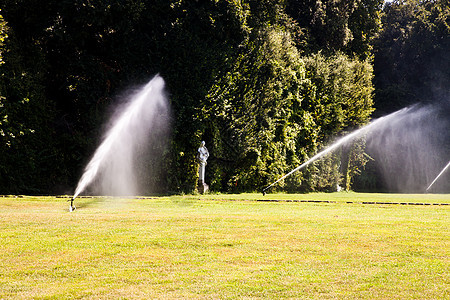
(71,207)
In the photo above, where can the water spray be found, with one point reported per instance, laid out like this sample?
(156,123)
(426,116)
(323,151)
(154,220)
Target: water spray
(114,161)
(437,177)
(340,142)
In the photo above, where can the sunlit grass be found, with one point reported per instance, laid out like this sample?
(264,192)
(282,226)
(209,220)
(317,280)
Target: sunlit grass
(226,247)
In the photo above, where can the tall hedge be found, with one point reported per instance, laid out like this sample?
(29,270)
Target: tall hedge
(237,73)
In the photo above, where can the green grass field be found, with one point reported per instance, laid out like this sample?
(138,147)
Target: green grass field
(226,247)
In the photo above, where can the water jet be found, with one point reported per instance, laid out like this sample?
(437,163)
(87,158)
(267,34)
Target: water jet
(135,126)
(407,146)
(439,175)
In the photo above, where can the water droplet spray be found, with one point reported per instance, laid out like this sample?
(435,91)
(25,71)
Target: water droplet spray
(113,165)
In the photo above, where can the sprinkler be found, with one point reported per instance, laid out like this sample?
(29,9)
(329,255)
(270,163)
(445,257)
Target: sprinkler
(71,207)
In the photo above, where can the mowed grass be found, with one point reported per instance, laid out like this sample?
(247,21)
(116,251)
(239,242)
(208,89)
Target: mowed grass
(226,247)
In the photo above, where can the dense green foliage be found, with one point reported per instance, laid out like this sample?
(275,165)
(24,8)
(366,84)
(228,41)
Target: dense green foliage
(329,25)
(265,83)
(412,57)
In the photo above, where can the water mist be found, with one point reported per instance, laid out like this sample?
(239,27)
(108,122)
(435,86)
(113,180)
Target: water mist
(342,141)
(411,149)
(138,133)
(408,146)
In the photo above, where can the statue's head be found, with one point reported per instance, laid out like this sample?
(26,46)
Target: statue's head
(203,143)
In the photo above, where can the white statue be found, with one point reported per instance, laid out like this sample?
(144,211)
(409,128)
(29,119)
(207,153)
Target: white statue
(202,156)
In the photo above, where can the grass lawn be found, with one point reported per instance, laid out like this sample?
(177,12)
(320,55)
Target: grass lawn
(226,247)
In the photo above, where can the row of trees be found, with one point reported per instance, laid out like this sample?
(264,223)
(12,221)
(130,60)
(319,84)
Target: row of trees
(265,83)
(412,55)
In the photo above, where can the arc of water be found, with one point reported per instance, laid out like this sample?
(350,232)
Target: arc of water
(437,177)
(338,143)
(94,165)
(123,124)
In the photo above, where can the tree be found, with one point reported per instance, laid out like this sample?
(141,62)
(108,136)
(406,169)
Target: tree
(330,26)
(3,36)
(412,57)
(411,66)
(25,130)
(254,110)
(234,70)
(338,96)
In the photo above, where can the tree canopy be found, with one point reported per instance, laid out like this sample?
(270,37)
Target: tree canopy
(265,83)
(412,54)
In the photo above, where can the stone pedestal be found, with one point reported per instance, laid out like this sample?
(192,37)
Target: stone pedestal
(203,188)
